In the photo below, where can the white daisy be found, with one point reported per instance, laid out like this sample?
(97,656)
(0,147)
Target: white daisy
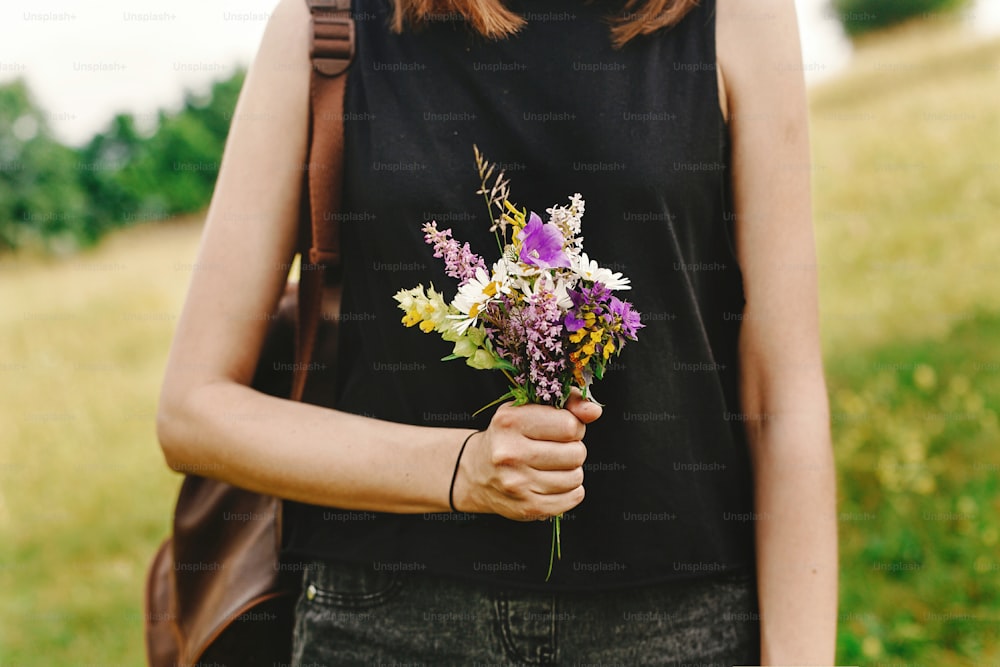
(503,270)
(588,269)
(473,296)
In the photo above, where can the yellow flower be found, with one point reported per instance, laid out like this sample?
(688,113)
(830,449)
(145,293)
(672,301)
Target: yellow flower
(426,309)
(514,218)
(411,317)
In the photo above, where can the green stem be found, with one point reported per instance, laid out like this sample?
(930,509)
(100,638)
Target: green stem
(509,394)
(556,550)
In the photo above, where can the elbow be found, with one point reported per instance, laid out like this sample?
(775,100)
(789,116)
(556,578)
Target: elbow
(185,426)
(780,381)
(787,403)
(169,430)
(180,424)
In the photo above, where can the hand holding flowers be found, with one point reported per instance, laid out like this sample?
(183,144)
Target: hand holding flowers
(529,463)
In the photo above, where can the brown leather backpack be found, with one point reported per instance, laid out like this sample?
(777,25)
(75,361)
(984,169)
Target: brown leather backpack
(217,591)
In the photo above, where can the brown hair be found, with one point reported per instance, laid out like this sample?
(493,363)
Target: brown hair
(492,19)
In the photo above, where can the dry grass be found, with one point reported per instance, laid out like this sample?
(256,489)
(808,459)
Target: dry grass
(907,188)
(84,493)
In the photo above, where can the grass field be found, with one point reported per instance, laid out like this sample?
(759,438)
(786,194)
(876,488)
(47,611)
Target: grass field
(84,492)
(907,185)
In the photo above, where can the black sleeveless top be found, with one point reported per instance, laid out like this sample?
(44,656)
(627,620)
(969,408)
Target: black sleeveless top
(638,132)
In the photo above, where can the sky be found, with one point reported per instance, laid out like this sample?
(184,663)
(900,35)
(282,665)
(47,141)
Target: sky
(85,62)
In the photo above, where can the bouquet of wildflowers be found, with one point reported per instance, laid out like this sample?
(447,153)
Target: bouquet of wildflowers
(544,314)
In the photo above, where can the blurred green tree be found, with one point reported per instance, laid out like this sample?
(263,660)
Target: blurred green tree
(56,198)
(42,203)
(860,17)
(170,172)
(102,164)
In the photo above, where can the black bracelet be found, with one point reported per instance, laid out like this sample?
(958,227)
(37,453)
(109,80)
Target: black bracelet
(454,475)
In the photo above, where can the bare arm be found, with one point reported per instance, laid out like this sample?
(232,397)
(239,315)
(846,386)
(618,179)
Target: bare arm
(209,421)
(782,383)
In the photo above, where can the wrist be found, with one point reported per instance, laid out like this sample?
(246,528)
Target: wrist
(460,491)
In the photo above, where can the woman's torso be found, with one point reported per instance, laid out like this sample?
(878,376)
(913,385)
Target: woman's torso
(637,132)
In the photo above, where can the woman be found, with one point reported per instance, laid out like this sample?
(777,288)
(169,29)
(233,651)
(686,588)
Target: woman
(708,535)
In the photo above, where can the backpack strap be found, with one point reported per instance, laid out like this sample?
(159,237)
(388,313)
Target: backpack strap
(331,51)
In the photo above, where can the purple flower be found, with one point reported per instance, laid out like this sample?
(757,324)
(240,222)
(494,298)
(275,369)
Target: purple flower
(630,320)
(542,245)
(572,322)
(598,294)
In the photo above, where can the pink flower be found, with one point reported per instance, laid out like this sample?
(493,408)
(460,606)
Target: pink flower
(459,261)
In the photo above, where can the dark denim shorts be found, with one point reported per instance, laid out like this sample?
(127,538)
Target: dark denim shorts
(352,614)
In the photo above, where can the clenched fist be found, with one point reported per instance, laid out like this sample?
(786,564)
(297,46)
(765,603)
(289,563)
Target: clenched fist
(528,464)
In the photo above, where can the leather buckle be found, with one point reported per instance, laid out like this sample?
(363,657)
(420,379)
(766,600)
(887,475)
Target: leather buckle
(334,5)
(332,42)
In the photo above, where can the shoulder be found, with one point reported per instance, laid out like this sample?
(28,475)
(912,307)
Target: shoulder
(290,12)
(761,29)
(281,66)
(757,47)
(288,25)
